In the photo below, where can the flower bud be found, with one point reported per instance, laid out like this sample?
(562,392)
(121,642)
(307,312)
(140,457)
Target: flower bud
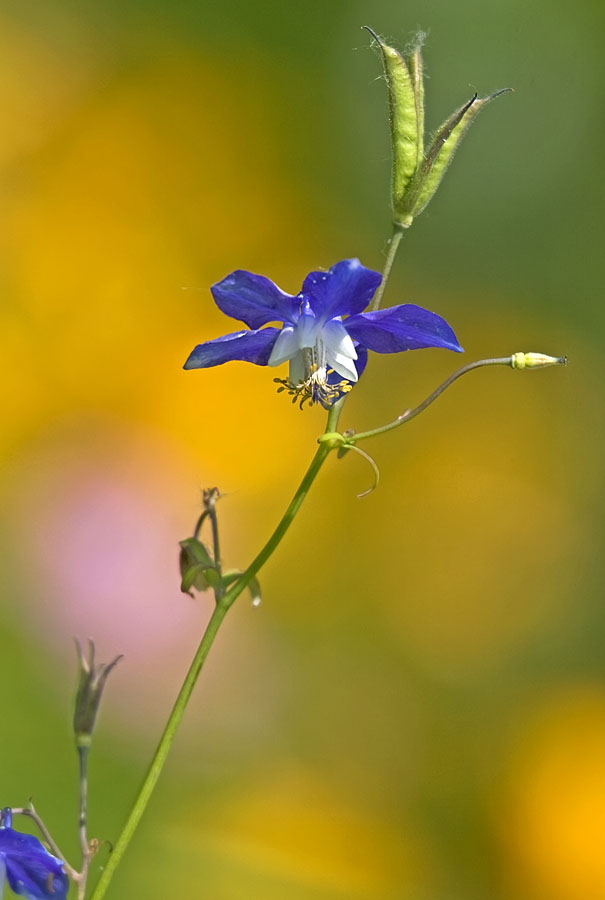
(536,360)
(91,683)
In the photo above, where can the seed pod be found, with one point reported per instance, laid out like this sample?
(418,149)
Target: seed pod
(441,152)
(406,115)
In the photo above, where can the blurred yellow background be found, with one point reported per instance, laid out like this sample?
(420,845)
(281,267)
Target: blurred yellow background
(417,710)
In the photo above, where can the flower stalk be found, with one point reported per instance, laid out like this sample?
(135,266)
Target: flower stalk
(222,607)
(388,265)
(517,361)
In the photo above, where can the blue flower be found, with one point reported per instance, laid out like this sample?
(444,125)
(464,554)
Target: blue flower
(29,868)
(327,353)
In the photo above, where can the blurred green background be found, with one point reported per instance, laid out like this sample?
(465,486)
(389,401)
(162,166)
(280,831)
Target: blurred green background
(417,710)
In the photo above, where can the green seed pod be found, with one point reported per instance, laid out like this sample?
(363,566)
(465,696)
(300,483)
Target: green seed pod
(416,68)
(406,114)
(440,154)
(417,174)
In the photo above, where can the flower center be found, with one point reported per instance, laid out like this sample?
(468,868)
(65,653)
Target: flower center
(321,356)
(309,383)
(315,361)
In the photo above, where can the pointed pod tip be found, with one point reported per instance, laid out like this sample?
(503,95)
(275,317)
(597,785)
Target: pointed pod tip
(501,91)
(371,32)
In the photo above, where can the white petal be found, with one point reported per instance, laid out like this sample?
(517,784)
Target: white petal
(337,340)
(342,364)
(285,346)
(306,331)
(297,368)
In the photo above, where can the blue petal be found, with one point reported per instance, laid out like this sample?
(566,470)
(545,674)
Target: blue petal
(254,299)
(344,290)
(31,871)
(405,327)
(249,346)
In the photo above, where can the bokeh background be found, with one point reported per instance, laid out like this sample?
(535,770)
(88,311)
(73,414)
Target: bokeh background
(417,710)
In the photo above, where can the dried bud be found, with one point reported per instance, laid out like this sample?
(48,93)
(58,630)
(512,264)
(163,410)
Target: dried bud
(91,683)
(536,360)
(198,569)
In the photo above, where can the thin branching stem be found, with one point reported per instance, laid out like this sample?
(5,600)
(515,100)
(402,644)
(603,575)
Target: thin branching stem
(388,265)
(410,414)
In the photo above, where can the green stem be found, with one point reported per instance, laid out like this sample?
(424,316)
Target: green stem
(410,414)
(388,265)
(316,463)
(157,764)
(82,821)
(221,609)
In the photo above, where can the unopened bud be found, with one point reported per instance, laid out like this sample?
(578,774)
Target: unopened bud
(536,360)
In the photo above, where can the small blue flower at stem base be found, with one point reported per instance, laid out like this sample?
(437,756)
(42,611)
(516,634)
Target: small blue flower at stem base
(325,333)
(31,871)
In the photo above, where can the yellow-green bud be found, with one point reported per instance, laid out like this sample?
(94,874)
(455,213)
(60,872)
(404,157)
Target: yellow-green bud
(536,360)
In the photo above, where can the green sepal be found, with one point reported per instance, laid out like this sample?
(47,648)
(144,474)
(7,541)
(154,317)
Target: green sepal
(197,567)
(439,155)
(406,115)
